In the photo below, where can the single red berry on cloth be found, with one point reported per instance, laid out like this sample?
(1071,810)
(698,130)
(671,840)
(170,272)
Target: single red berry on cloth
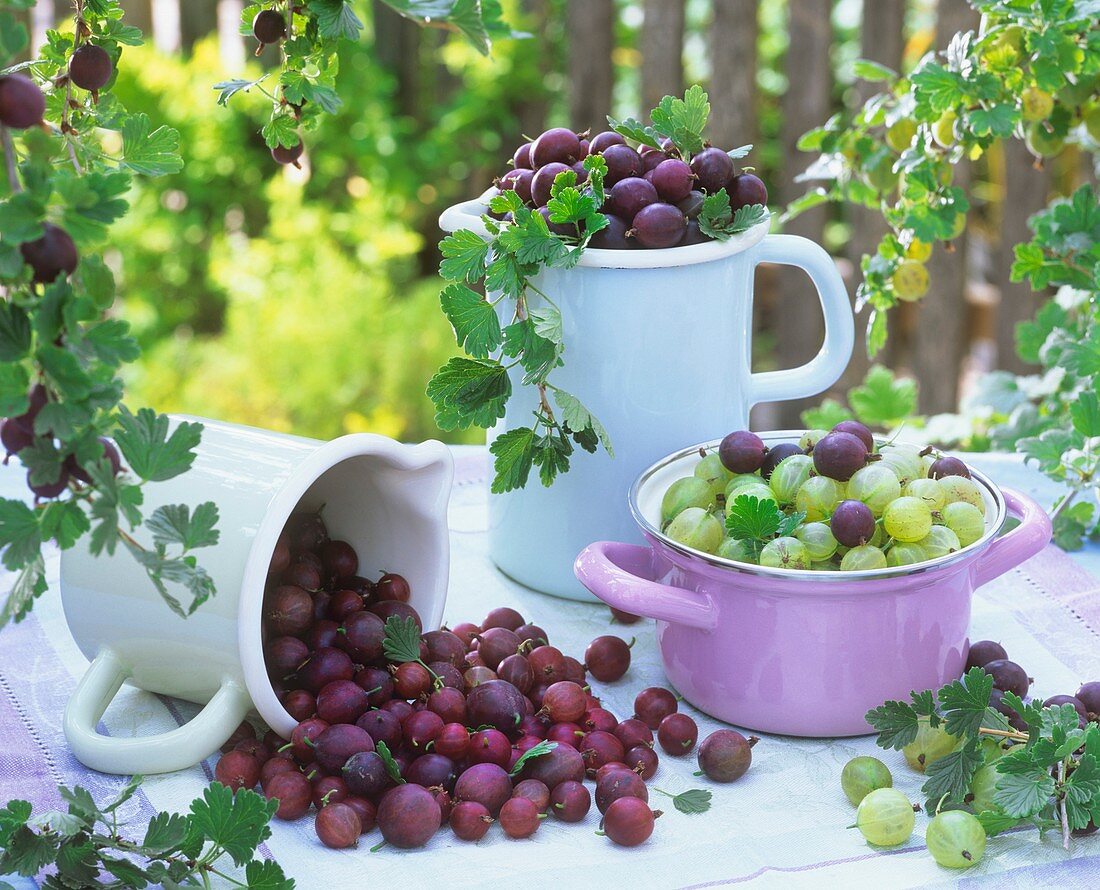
(607,658)
(677,734)
(237,770)
(338,826)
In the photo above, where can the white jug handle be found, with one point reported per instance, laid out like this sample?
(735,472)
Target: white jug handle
(166,752)
(827,366)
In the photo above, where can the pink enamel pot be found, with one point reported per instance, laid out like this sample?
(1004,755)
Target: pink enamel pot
(803,653)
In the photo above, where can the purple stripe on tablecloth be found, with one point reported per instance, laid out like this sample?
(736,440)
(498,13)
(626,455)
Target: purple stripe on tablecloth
(27,769)
(34,757)
(814,866)
(1081,872)
(1054,574)
(798,869)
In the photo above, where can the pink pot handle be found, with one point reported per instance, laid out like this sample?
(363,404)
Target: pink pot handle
(621,575)
(1018,545)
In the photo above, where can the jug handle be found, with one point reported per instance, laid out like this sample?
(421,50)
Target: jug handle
(618,575)
(1017,545)
(826,367)
(174,750)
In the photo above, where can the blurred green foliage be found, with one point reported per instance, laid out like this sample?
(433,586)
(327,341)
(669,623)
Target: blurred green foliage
(297,301)
(307,301)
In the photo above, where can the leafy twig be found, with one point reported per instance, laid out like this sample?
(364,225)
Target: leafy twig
(176,849)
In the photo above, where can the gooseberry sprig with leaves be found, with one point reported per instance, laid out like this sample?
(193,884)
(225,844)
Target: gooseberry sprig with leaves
(302,89)
(71,151)
(473,391)
(1031,73)
(1049,777)
(518,327)
(87,844)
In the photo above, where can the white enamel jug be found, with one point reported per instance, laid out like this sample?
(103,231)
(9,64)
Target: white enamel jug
(658,346)
(388,500)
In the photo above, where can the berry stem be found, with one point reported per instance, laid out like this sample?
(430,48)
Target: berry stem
(79,28)
(1004,734)
(9,159)
(1062,805)
(1064,503)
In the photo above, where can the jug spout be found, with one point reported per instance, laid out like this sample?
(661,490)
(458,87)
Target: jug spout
(467,215)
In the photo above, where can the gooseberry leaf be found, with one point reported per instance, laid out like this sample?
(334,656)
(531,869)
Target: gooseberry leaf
(964,702)
(1085,414)
(336,18)
(636,131)
(826,415)
(694,800)
(474,320)
(883,399)
(1024,792)
(1072,524)
(281,129)
(537,750)
(266,874)
(148,151)
(995,822)
(718,220)
(176,524)
(683,120)
(401,642)
(789,523)
(896,723)
(997,120)
(391,765)
(20,533)
(579,420)
(469,392)
(227,89)
(514,454)
(235,821)
(151,451)
(570,205)
(952,774)
(166,831)
(465,254)
(749,518)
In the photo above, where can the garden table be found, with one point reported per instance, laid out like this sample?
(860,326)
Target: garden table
(782,825)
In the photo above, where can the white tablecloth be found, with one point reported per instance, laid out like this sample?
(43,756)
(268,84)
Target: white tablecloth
(782,825)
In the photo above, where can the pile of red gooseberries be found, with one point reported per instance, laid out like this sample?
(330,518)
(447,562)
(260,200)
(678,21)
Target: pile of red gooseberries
(653,195)
(486,723)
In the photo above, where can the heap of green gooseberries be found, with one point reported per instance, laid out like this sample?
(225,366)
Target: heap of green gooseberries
(848,502)
(886,817)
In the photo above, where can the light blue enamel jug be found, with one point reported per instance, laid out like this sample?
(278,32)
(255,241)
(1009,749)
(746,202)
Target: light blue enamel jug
(658,346)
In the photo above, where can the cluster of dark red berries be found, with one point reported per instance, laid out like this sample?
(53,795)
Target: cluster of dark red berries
(409,746)
(17,433)
(1008,676)
(269,27)
(654,196)
(22,104)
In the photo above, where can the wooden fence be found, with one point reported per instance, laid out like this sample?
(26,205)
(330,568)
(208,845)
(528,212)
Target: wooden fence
(966,322)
